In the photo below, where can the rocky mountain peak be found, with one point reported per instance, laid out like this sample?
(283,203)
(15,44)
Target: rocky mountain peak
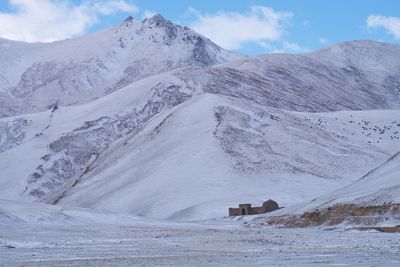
(129,19)
(158,18)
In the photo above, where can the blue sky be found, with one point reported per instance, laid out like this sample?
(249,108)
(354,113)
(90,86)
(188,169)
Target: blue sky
(251,27)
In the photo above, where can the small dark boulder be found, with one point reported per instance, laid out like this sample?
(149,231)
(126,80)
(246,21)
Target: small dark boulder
(270,205)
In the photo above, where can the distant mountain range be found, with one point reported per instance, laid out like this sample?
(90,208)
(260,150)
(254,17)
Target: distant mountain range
(151,118)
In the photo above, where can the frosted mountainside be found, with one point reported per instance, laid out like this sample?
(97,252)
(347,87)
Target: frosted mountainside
(210,151)
(247,153)
(143,118)
(36,77)
(359,75)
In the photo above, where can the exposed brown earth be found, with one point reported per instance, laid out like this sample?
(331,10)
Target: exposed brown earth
(340,213)
(386,229)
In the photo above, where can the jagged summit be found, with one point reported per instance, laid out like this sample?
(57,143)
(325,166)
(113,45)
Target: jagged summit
(158,19)
(128,19)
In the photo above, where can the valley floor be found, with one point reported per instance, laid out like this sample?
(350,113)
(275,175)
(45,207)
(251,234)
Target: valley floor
(217,244)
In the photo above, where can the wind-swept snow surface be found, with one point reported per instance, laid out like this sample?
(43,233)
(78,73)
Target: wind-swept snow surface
(192,245)
(47,235)
(28,214)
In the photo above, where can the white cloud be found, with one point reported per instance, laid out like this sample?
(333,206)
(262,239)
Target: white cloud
(50,20)
(110,7)
(283,47)
(292,47)
(391,24)
(232,30)
(323,40)
(149,14)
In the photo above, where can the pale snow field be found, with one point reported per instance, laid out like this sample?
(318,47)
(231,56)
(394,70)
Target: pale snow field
(33,234)
(222,244)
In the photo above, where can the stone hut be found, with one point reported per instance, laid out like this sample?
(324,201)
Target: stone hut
(247,209)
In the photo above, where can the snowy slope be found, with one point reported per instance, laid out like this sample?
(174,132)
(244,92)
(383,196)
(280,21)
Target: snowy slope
(363,75)
(378,187)
(370,201)
(56,145)
(214,152)
(238,151)
(25,213)
(33,77)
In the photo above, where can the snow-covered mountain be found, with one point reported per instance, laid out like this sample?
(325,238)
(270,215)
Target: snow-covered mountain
(213,152)
(191,160)
(36,77)
(153,119)
(359,75)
